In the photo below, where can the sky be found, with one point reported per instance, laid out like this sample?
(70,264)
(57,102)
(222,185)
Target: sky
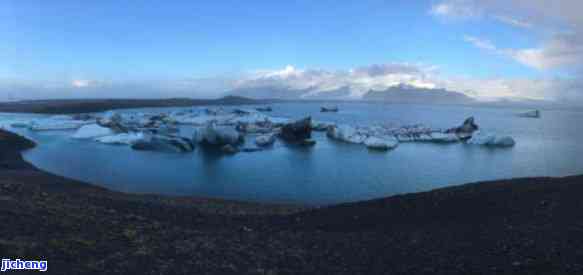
(487,49)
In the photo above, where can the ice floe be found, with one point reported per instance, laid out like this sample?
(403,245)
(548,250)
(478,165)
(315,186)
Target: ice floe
(92,131)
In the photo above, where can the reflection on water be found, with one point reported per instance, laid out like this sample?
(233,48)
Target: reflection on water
(331,171)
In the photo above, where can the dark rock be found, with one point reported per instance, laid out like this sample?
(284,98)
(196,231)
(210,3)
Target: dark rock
(164,143)
(251,149)
(241,112)
(297,131)
(308,142)
(229,149)
(466,130)
(329,109)
(530,114)
(264,109)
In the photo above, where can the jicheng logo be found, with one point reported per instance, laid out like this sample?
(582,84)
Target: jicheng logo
(8,264)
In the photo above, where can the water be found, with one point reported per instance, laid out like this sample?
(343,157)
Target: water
(330,172)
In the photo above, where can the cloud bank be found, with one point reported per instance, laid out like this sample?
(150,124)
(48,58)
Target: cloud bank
(559,51)
(317,82)
(296,83)
(290,82)
(558,22)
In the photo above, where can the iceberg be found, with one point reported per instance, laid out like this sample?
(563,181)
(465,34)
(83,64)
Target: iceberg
(53,125)
(443,137)
(321,126)
(297,130)
(530,114)
(92,131)
(164,144)
(201,120)
(383,144)
(264,109)
(465,130)
(217,135)
(254,128)
(20,124)
(61,117)
(265,140)
(124,138)
(325,109)
(484,139)
(346,133)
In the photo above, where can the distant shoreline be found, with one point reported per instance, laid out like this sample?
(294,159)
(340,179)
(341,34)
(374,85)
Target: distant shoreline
(72,106)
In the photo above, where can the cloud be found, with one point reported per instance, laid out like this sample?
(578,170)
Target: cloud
(505,88)
(513,21)
(360,79)
(559,24)
(480,43)
(562,51)
(292,82)
(311,83)
(456,9)
(23,89)
(82,83)
(385,69)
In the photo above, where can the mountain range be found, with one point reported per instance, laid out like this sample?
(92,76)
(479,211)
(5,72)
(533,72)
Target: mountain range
(402,93)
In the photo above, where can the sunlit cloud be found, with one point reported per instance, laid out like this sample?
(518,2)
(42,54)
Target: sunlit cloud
(81,83)
(513,21)
(456,9)
(359,79)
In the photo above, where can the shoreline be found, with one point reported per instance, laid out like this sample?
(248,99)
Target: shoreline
(72,106)
(518,226)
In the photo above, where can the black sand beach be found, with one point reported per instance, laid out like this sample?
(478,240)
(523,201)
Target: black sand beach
(518,226)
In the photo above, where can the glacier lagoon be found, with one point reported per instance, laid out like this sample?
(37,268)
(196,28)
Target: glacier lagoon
(331,171)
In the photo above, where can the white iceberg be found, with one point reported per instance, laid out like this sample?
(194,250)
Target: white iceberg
(201,120)
(217,135)
(381,143)
(124,138)
(252,118)
(444,137)
(50,124)
(265,140)
(92,131)
(346,133)
(278,121)
(480,138)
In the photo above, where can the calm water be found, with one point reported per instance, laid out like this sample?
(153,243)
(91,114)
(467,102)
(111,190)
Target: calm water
(330,172)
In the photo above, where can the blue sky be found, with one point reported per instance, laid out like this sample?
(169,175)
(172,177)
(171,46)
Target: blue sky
(137,41)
